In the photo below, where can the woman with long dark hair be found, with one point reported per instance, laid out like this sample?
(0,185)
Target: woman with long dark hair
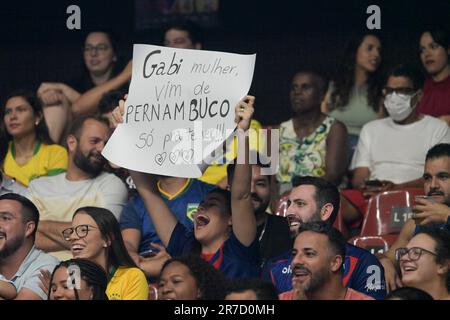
(435,57)
(95,235)
(78,279)
(354,95)
(31,152)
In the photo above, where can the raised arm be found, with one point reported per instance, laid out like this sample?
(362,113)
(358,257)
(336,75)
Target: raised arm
(243,216)
(163,219)
(49,236)
(388,258)
(56,99)
(89,100)
(48,92)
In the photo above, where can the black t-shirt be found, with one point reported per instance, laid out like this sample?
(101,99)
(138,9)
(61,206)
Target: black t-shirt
(84,82)
(274,237)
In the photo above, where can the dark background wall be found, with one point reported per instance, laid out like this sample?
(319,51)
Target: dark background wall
(286,35)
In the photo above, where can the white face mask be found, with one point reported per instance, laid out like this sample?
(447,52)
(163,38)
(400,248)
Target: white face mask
(399,105)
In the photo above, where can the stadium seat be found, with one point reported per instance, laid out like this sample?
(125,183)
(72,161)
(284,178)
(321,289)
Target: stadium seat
(388,211)
(374,244)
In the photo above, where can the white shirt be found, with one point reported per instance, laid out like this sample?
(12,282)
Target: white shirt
(397,152)
(57,198)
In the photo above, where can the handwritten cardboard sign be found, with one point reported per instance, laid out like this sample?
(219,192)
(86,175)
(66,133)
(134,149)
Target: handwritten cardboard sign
(180,109)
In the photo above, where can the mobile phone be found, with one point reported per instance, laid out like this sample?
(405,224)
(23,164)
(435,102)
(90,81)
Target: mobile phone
(424,197)
(429,198)
(373,183)
(149,253)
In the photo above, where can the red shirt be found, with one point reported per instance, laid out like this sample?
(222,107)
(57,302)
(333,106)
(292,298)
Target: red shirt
(436,98)
(349,295)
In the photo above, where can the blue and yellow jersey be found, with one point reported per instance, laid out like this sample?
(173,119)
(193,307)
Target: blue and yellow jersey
(182,204)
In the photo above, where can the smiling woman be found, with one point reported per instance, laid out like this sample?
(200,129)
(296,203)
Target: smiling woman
(425,262)
(232,248)
(191,278)
(95,235)
(102,73)
(78,279)
(31,153)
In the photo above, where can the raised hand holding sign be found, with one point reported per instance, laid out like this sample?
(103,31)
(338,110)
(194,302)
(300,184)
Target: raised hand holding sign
(180,108)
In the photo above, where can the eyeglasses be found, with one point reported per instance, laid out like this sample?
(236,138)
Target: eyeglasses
(81,231)
(414,253)
(98,48)
(399,90)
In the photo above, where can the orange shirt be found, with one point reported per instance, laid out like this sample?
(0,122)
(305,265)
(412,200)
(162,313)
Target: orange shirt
(349,295)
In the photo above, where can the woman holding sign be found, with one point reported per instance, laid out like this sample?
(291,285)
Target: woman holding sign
(230,247)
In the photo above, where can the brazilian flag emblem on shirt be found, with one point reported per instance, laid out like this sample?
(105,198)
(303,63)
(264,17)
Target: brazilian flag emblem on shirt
(191,208)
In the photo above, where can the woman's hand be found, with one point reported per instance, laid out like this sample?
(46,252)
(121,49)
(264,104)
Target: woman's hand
(116,116)
(244,112)
(45,278)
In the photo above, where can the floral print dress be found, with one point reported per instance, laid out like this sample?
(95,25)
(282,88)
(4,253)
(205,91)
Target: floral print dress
(302,158)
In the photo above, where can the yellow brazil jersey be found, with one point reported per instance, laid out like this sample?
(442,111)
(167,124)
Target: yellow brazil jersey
(217,172)
(127,284)
(47,160)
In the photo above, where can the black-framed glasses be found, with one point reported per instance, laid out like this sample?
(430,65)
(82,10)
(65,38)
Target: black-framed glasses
(81,231)
(98,48)
(413,253)
(399,90)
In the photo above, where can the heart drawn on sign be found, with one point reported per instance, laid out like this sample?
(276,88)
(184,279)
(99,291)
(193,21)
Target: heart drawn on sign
(187,155)
(160,158)
(173,156)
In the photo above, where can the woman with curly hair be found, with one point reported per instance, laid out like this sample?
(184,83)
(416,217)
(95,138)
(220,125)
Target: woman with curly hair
(354,96)
(191,278)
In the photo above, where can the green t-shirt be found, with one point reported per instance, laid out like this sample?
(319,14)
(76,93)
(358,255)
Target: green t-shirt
(357,112)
